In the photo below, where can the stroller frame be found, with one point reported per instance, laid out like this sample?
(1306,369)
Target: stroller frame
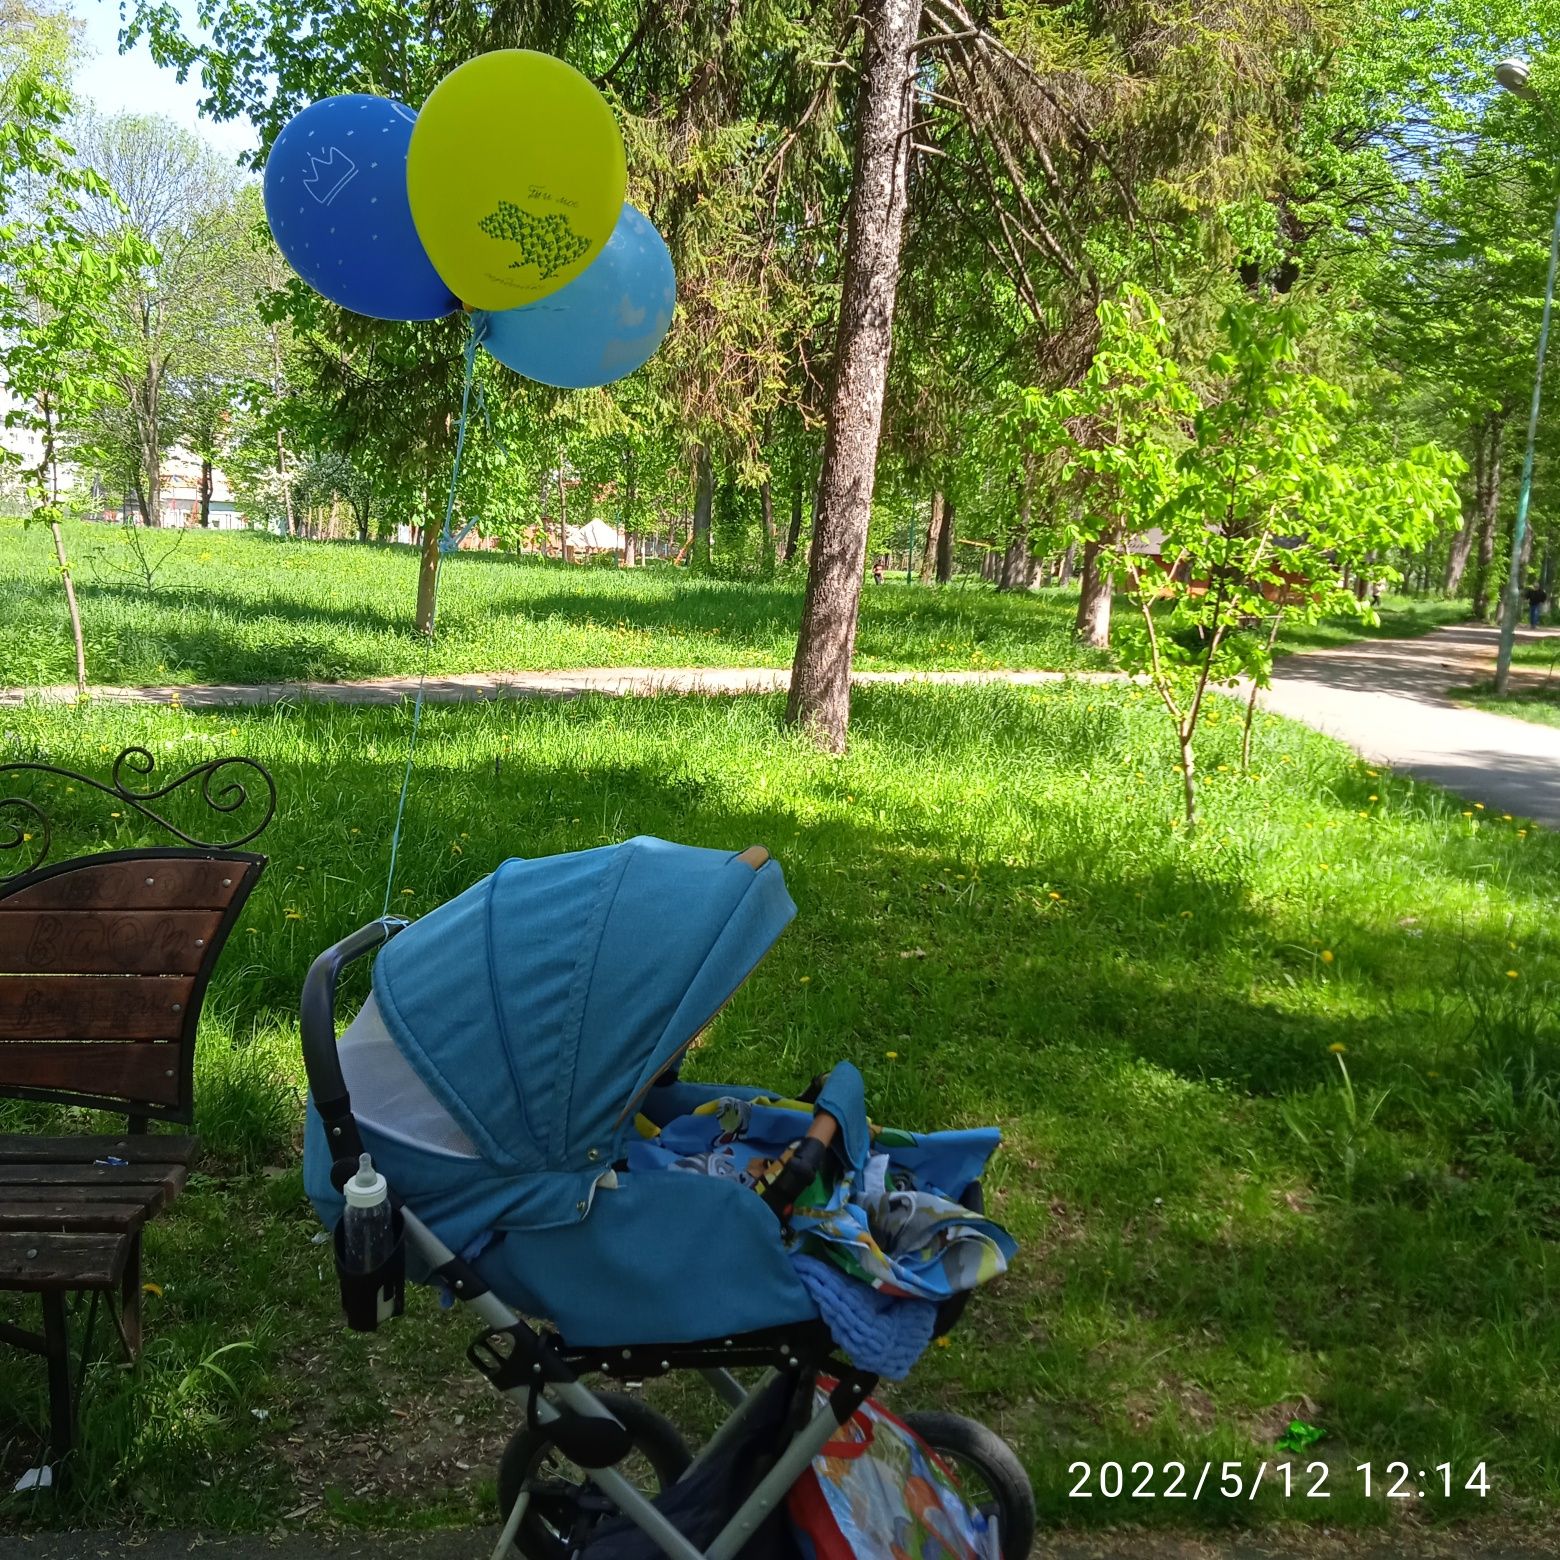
(539,1370)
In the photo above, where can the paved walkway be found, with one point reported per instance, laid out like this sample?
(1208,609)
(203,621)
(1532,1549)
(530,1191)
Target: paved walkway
(467,687)
(1387,698)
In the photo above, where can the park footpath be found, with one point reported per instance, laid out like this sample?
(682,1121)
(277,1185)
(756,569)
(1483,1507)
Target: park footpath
(1386,698)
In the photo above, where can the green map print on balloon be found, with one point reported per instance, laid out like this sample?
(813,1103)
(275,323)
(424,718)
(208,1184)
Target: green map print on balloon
(548,243)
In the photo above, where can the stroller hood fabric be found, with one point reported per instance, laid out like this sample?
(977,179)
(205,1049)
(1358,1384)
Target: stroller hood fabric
(541,1004)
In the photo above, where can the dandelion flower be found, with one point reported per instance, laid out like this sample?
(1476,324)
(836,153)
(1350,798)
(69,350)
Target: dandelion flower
(1337,1048)
(1467,815)
(1055,895)
(1479,805)
(1327,955)
(1186,915)
(893,1056)
(292,915)
(804,980)
(1372,798)
(1511,974)
(1505,817)
(408,891)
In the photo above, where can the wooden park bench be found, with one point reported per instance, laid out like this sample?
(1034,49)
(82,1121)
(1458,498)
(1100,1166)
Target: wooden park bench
(104,961)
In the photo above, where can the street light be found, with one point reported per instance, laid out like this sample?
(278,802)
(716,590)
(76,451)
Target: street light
(1514,76)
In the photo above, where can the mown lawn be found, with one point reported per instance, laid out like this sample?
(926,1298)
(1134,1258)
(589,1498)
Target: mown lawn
(1537,702)
(1280,1102)
(248,607)
(1401,617)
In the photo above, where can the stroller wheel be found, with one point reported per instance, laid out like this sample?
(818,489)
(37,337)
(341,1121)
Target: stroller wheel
(565,1505)
(992,1478)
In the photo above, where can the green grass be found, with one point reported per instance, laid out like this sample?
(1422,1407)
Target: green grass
(1222,1229)
(248,607)
(1539,703)
(1402,617)
(1534,690)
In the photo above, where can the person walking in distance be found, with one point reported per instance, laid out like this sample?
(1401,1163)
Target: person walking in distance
(1536,597)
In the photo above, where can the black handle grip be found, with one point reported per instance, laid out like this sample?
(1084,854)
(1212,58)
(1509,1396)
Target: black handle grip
(317,1010)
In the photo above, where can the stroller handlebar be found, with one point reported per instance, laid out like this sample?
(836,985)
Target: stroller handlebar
(317,1010)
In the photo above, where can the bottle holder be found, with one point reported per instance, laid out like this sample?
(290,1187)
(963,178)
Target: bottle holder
(367,1299)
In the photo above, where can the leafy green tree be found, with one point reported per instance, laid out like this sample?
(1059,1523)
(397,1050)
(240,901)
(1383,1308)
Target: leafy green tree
(1219,512)
(183,319)
(58,355)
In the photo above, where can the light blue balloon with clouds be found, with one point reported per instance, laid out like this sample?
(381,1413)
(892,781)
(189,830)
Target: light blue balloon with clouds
(606,323)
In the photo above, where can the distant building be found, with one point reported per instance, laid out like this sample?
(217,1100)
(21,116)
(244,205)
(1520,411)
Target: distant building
(26,444)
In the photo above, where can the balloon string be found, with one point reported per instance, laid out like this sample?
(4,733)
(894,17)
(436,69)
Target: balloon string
(447,543)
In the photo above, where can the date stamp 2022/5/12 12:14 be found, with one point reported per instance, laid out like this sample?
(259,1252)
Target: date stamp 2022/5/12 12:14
(1287,1480)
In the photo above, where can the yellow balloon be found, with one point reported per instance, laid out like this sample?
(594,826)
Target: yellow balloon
(516,177)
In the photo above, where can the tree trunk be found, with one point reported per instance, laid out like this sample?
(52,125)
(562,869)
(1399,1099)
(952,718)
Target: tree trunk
(1462,545)
(75,611)
(1094,599)
(1485,445)
(1018,564)
(794,535)
(1069,558)
(428,579)
(563,511)
(945,540)
(934,530)
(205,492)
(281,471)
(703,507)
(820,675)
(1489,506)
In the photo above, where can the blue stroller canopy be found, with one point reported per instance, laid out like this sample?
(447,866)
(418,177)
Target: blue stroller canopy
(541,1004)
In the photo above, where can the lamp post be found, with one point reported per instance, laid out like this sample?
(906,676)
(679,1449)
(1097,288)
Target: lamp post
(1514,76)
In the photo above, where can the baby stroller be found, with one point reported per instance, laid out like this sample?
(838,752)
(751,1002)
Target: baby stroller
(520,1041)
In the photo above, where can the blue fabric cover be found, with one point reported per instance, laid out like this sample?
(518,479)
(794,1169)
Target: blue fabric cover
(539,1007)
(661,1258)
(541,1004)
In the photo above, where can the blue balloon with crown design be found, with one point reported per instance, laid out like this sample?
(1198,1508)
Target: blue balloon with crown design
(335,197)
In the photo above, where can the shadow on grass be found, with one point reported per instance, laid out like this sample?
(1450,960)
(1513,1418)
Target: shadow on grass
(1198,1265)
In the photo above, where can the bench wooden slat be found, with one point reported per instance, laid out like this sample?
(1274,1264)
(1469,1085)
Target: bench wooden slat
(128,1072)
(163,1147)
(84,1260)
(176,883)
(46,1214)
(105,942)
(94,1007)
(170,1178)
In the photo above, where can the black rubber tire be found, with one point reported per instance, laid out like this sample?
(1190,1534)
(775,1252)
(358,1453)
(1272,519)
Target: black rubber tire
(994,1479)
(561,1502)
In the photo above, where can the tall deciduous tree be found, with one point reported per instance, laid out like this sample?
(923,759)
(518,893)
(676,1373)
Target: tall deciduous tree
(820,674)
(57,355)
(171,315)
